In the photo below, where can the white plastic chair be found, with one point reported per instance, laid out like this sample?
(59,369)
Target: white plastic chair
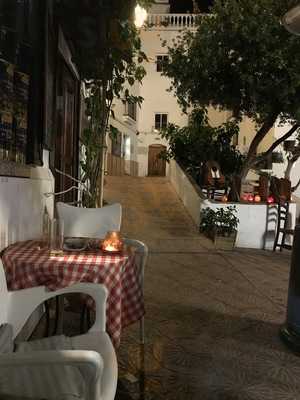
(95,222)
(85,223)
(82,367)
(142,256)
(89,222)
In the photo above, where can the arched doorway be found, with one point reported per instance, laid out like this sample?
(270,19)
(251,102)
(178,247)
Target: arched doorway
(156,165)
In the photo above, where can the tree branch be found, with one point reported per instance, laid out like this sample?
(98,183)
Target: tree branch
(280,140)
(262,132)
(260,135)
(296,186)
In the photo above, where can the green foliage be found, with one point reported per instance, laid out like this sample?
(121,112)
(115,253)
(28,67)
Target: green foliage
(240,59)
(199,142)
(243,60)
(222,221)
(116,67)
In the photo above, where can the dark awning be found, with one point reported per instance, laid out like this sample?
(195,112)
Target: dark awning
(86,24)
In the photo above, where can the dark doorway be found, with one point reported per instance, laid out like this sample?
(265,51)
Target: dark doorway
(156,165)
(185,6)
(66,144)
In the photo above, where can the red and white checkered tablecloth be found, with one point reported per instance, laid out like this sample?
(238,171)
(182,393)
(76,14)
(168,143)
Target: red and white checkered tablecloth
(26,265)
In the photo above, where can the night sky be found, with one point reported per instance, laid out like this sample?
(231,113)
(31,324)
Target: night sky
(183,6)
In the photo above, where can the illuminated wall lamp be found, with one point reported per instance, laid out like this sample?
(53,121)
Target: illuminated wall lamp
(140,16)
(291,20)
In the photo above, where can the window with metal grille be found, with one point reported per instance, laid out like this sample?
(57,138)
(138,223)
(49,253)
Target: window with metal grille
(160,61)
(161,121)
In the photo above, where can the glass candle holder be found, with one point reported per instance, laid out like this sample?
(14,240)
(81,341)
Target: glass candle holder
(112,242)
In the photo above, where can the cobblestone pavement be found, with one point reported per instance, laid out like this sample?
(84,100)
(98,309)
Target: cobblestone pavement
(212,317)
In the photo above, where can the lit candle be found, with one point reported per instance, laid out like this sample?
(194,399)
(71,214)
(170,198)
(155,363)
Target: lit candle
(112,242)
(257,198)
(245,197)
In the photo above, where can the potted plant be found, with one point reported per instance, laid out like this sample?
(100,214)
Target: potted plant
(220,225)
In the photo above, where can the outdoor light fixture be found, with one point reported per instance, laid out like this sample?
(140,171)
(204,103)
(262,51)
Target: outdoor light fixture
(291,20)
(140,16)
(257,198)
(270,200)
(245,197)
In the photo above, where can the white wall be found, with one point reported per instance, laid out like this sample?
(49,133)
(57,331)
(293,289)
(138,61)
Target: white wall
(187,192)
(279,169)
(126,125)
(257,221)
(156,97)
(22,203)
(257,224)
(154,87)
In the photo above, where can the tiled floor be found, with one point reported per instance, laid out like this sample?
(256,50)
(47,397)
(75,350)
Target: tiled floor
(212,318)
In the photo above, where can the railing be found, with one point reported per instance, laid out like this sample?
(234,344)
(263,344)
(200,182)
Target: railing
(173,21)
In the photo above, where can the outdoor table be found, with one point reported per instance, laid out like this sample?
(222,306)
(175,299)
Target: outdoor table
(26,265)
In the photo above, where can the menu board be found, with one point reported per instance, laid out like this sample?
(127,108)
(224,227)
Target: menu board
(14,79)
(7,69)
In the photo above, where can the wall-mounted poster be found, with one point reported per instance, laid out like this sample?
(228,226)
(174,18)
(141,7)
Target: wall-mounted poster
(14,79)
(21,98)
(6,112)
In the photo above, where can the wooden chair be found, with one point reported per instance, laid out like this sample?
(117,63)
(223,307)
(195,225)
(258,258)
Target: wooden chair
(212,180)
(283,227)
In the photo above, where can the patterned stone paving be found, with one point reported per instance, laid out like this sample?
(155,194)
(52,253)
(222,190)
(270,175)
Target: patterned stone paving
(212,318)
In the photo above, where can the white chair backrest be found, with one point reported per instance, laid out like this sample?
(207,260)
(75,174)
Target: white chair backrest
(89,222)
(16,306)
(142,255)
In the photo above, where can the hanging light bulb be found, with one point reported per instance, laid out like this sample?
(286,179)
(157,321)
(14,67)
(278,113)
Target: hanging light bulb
(140,16)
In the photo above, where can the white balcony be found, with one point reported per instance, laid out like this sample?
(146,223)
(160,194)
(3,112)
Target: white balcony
(172,21)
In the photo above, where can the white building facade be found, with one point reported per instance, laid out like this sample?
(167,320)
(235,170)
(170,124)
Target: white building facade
(140,142)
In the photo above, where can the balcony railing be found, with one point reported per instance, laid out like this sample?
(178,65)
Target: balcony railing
(172,21)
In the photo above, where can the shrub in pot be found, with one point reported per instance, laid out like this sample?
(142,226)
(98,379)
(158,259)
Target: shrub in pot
(220,225)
